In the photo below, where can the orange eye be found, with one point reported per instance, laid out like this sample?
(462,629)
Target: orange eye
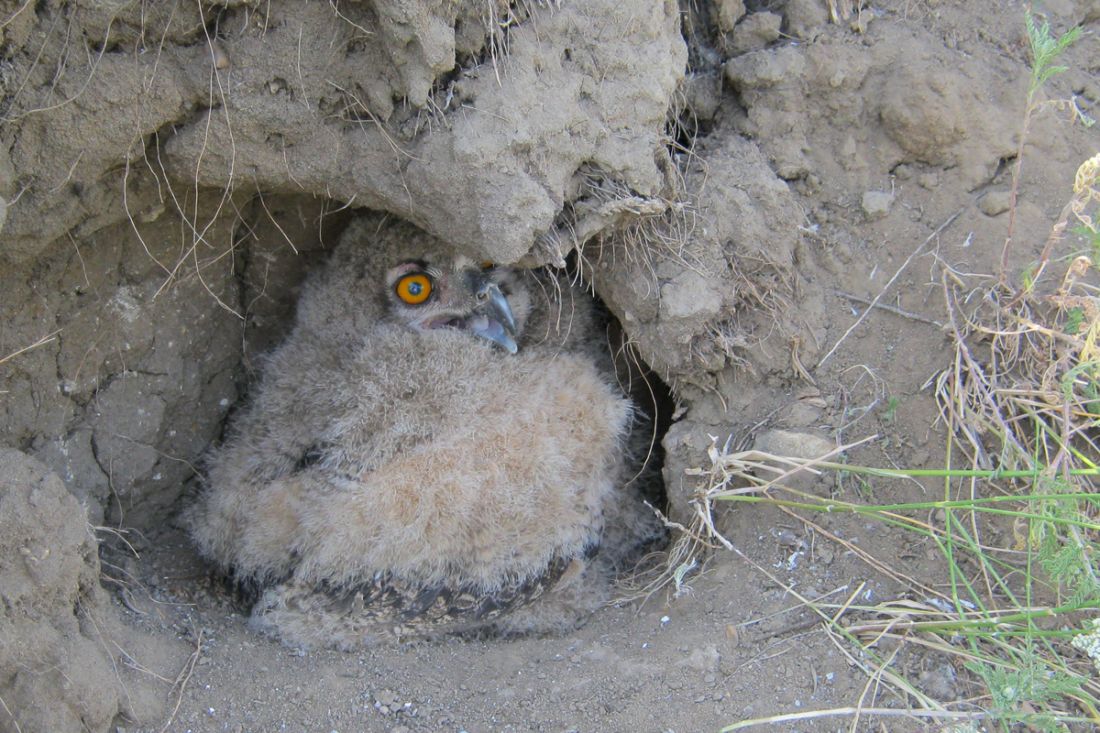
(487,264)
(414,289)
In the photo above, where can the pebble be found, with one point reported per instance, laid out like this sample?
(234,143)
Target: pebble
(764,69)
(994,202)
(876,204)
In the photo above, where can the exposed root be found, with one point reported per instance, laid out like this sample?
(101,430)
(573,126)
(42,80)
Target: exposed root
(180,683)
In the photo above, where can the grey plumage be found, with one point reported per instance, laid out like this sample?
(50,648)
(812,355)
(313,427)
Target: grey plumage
(400,473)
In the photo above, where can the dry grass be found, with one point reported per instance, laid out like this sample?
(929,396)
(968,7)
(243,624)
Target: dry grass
(1021,404)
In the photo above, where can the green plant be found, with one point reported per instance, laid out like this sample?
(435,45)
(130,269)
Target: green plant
(1045,51)
(890,414)
(1003,613)
(1022,406)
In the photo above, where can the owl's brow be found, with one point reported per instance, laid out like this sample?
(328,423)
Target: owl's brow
(404,268)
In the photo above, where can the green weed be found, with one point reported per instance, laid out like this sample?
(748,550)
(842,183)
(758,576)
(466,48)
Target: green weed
(1022,461)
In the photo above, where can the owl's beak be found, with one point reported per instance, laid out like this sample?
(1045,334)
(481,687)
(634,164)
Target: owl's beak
(492,319)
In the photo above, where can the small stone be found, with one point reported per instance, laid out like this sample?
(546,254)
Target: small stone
(765,69)
(928,180)
(994,202)
(790,443)
(788,539)
(386,697)
(795,444)
(876,204)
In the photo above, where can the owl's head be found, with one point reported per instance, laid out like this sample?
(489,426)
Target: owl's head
(437,292)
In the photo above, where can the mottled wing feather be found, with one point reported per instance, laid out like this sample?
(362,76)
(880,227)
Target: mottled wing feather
(387,605)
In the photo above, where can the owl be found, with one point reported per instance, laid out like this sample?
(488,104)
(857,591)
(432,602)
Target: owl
(439,446)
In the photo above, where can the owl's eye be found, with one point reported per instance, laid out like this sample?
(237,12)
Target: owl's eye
(414,289)
(487,264)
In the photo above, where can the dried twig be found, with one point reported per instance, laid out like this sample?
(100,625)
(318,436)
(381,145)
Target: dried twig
(40,342)
(947,222)
(11,715)
(184,677)
(889,309)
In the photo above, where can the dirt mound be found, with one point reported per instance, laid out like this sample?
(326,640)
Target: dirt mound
(414,108)
(66,660)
